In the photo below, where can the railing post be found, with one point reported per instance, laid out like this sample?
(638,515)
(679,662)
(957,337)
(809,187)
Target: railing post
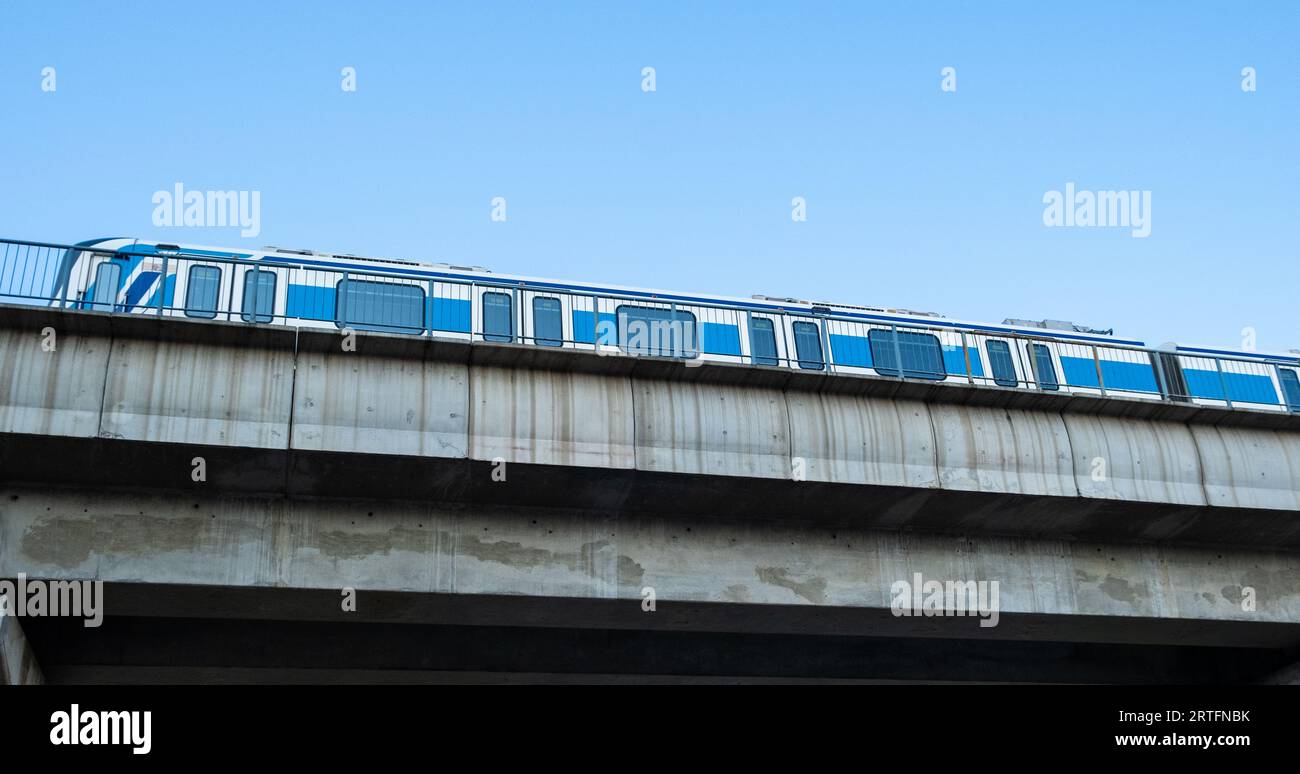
(672,317)
(826,345)
(475,305)
(428,312)
(898,351)
(162,285)
(517,317)
(343,301)
(965,352)
(257,294)
(1223,382)
(785,340)
(749,337)
(1096,361)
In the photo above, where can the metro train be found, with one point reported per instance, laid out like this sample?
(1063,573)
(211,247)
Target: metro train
(328,290)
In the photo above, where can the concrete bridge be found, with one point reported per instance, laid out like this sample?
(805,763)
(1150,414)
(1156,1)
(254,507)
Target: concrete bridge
(505,512)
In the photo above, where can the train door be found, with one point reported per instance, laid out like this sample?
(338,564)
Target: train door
(1043,365)
(765,341)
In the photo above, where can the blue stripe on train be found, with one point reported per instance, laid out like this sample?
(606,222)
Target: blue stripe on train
(448,314)
(1117,375)
(310,302)
(850,350)
(955,364)
(720,339)
(1243,388)
(584,327)
(717,338)
(144,281)
(169,294)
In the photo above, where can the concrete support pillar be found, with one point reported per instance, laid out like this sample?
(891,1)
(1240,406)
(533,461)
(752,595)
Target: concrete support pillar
(17,661)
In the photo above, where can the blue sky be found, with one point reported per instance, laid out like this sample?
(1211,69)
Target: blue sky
(916,197)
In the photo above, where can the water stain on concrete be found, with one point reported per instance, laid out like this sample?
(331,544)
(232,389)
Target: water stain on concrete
(507,552)
(340,544)
(68,543)
(1120,590)
(586,559)
(813,590)
(630,573)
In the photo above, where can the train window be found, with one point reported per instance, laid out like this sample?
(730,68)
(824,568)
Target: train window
(108,278)
(201,289)
(259,291)
(762,341)
(1044,370)
(1290,388)
(394,307)
(498,319)
(647,330)
(1004,369)
(808,346)
(548,322)
(921,353)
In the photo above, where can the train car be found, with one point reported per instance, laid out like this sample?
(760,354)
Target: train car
(277,286)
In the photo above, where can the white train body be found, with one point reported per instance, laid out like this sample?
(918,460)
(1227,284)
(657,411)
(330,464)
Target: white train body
(321,290)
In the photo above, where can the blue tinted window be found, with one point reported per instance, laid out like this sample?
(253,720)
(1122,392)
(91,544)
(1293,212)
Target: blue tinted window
(644,330)
(259,292)
(808,346)
(1044,370)
(1004,369)
(108,279)
(922,355)
(762,341)
(201,291)
(379,306)
(1290,388)
(498,321)
(548,325)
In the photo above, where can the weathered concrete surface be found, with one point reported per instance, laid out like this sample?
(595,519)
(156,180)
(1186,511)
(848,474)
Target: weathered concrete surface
(375,405)
(51,392)
(1115,459)
(277,411)
(1250,468)
(552,418)
(774,577)
(18,664)
(200,394)
(1003,451)
(709,429)
(846,440)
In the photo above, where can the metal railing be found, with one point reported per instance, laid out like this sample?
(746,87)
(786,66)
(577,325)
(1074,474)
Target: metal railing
(425,301)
